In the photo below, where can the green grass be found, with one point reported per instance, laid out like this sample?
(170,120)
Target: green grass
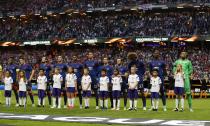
(201,112)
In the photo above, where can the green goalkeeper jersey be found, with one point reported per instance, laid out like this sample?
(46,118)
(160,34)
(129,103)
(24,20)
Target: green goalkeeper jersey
(186,66)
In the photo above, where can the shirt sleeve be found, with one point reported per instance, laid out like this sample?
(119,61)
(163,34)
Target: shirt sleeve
(121,80)
(137,78)
(11,80)
(90,80)
(159,81)
(1,68)
(107,80)
(61,78)
(45,79)
(75,77)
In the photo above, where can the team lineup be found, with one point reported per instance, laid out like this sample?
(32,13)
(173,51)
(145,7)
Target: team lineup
(105,81)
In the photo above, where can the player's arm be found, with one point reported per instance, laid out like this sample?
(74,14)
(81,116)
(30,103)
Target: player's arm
(159,81)
(150,84)
(66,82)
(183,76)
(12,81)
(121,81)
(150,67)
(17,75)
(164,69)
(129,85)
(98,71)
(75,82)
(32,73)
(190,68)
(143,68)
(174,67)
(45,81)
(82,85)
(108,82)
(1,72)
(61,79)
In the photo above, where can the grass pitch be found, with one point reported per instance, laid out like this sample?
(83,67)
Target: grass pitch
(201,112)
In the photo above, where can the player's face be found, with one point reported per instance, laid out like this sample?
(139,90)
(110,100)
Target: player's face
(74,58)
(21,74)
(154,73)
(60,59)
(103,73)
(115,72)
(156,54)
(206,77)
(126,74)
(183,55)
(119,61)
(133,70)
(70,70)
(21,61)
(10,61)
(85,71)
(179,67)
(105,61)
(90,55)
(56,71)
(7,74)
(44,60)
(41,72)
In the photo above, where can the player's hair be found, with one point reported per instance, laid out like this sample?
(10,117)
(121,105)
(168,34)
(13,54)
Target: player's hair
(180,69)
(154,70)
(22,58)
(106,57)
(116,70)
(71,68)
(132,56)
(41,69)
(103,70)
(57,68)
(24,75)
(156,50)
(9,72)
(182,52)
(85,68)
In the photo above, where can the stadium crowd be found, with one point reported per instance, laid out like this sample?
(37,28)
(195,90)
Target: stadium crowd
(34,6)
(200,57)
(108,25)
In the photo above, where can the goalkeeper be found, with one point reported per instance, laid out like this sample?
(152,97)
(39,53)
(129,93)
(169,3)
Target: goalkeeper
(187,69)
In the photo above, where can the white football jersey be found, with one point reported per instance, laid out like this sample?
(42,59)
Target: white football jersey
(103,82)
(57,79)
(8,83)
(155,84)
(22,85)
(70,80)
(133,79)
(116,82)
(86,80)
(42,82)
(179,80)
